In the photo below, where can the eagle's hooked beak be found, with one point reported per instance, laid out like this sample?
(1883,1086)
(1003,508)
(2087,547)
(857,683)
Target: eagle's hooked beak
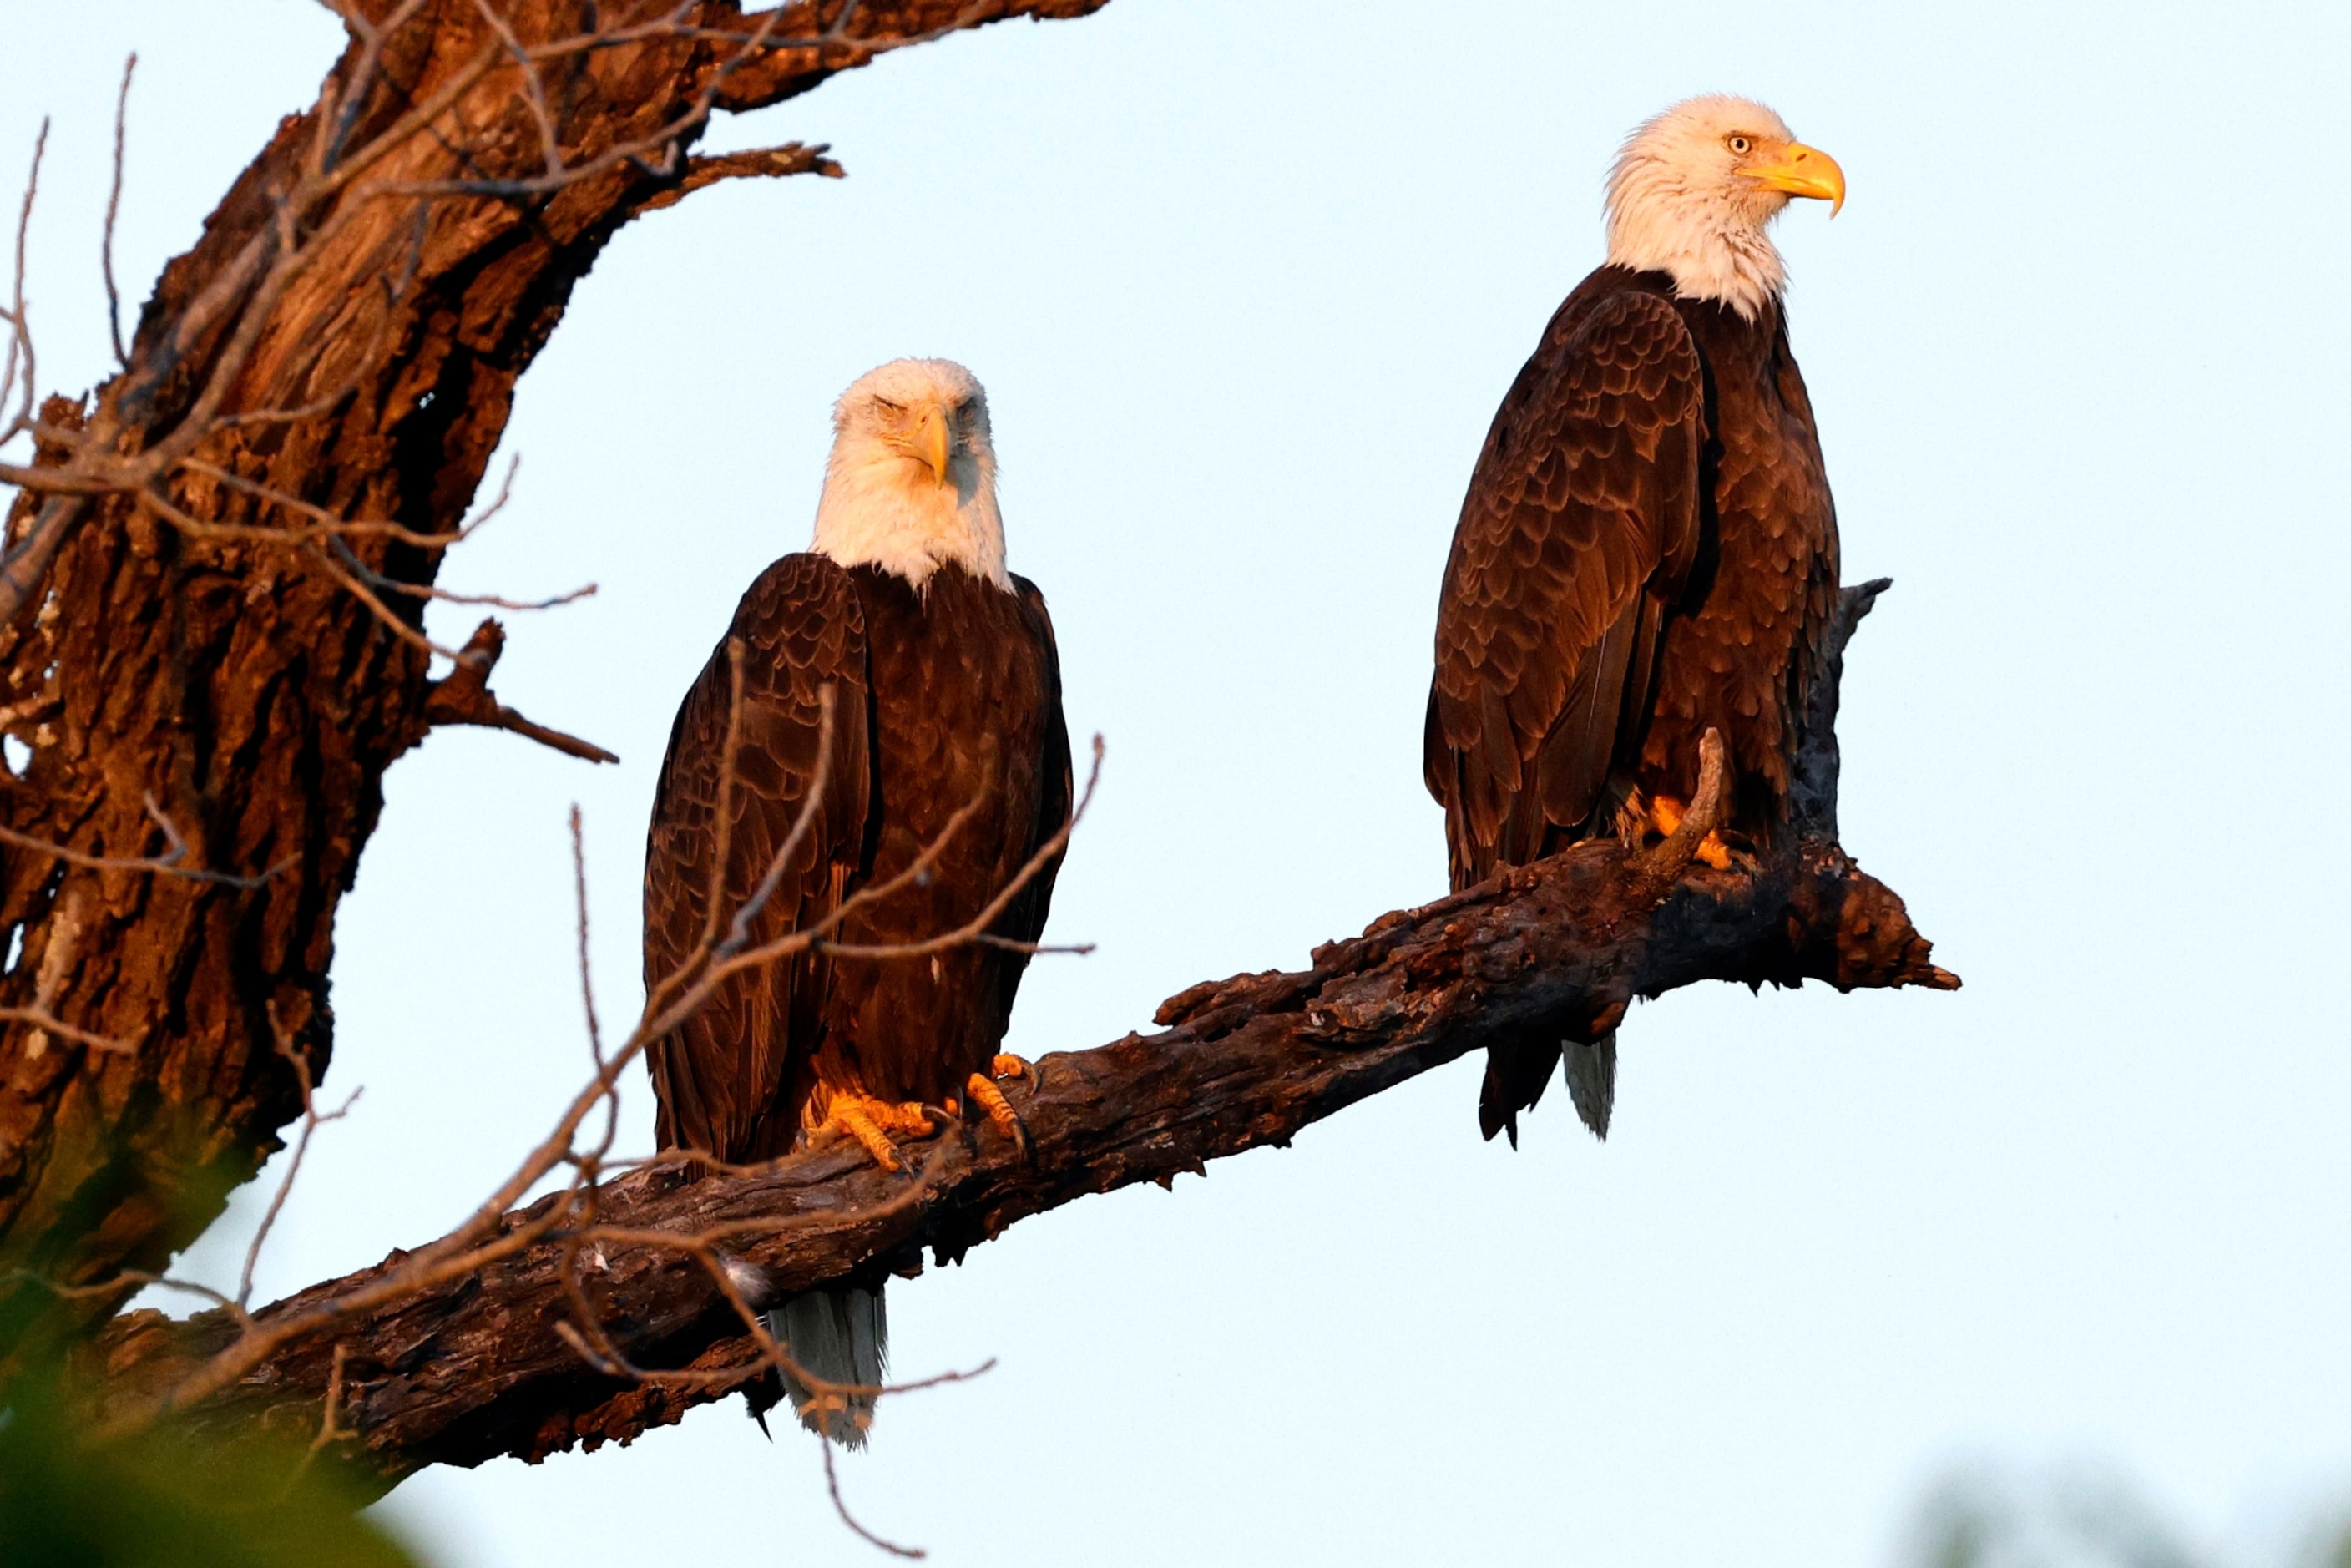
(1799,170)
(931,443)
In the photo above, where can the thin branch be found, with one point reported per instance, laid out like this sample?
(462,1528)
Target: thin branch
(113,207)
(832,1489)
(330,1426)
(975,928)
(403,629)
(44,1021)
(382,584)
(164,865)
(464,696)
(20,328)
(327,524)
(740,933)
(312,1120)
(125,1282)
(587,977)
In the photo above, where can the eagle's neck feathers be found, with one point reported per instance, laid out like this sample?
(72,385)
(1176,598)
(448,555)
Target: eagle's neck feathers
(1712,249)
(875,513)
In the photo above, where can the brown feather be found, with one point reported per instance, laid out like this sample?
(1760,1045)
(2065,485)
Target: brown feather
(1647,549)
(944,698)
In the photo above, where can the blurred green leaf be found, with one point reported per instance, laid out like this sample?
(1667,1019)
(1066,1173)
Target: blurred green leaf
(160,1501)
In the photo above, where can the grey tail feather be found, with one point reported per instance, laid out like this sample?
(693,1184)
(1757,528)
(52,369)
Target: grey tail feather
(840,1336)
(1592,1080)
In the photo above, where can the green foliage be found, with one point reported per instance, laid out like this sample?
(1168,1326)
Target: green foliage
(2075,1520)
(158,1500)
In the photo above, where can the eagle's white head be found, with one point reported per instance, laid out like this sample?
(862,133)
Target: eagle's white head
(1695,188)
(911,484)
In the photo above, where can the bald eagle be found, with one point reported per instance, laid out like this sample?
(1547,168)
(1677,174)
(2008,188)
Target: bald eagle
(1647,549)
(946,693)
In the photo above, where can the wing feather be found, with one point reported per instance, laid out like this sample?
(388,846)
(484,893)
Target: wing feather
(1581,525)
(1024,920)
(729,1080)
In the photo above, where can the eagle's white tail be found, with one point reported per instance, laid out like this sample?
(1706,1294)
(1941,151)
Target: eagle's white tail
(1591,1079)
(839,1336)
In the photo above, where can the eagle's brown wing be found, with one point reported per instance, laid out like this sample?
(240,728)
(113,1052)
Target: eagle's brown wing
(1580,524)
(1024,919)
(730,1080)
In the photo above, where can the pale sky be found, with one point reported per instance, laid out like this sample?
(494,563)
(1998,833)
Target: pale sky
(1245,281)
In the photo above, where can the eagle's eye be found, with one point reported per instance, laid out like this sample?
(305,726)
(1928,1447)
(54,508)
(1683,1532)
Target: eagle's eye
(888,409)
(1741,145)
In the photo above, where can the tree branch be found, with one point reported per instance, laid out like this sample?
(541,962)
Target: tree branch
(213,577)
(471,1368)
(464,696)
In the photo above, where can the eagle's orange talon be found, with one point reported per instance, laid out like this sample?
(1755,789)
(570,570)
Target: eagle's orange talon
(1666,813)
(986,1095)
(989,1098)
(871,1122)
(850,1114)
(1714,851)
(1008,1065)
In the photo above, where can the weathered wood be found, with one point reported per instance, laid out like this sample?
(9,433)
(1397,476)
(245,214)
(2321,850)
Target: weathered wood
(474,1368)
(235,680)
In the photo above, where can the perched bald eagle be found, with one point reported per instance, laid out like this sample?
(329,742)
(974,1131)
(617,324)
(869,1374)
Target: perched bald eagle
(1647,549)
(946,693)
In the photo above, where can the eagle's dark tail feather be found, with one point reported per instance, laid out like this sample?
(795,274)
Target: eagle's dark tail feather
(839,1336)
(1519,1071)
(1516,1073)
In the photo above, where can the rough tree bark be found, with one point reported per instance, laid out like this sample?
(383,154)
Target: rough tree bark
(491,1362)
(242,682)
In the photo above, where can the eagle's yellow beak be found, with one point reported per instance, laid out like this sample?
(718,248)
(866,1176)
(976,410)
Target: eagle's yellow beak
(1799,170)
(929,441)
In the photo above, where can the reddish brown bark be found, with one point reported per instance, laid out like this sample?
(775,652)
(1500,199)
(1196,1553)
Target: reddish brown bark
(476,1366)
(235,680)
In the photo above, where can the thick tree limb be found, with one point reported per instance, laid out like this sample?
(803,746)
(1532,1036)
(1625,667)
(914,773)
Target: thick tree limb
(490,1364)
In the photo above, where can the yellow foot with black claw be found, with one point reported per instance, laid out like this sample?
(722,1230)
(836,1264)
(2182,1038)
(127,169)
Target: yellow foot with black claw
(989,1098)
(872,1121)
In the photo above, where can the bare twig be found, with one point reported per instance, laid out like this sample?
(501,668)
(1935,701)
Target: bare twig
(382,584)
(113,207)
(402,629)
(126,1282)
(164,865)
(832,1489)
(975,928)
(325,523)
(45,1022)
(312,1120)
(20,329)
(464,696)
(586,976)
(740,933)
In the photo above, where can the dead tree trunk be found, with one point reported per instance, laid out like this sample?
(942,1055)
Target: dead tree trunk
(210,609)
